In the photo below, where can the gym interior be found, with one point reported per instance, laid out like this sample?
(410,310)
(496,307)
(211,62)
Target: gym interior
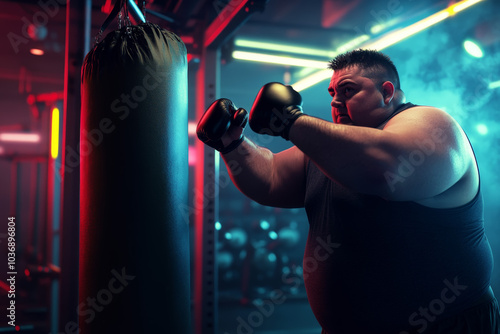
(128,223)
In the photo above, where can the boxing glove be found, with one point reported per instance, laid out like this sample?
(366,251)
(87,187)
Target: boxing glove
(275,109)
(218,121)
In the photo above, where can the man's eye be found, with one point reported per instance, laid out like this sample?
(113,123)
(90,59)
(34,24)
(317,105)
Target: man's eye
(347,90)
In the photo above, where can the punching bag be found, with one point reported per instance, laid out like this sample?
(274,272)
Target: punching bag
(134,241)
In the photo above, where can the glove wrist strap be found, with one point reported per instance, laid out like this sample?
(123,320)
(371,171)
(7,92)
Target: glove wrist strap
(286,131)
(231,147)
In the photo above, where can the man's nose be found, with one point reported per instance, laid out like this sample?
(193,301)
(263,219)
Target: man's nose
(336,103)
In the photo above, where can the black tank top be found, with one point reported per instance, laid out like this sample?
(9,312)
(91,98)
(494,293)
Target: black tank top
(377,266)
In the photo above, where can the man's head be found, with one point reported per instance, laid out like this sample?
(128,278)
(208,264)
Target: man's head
(365,88)
(375,65)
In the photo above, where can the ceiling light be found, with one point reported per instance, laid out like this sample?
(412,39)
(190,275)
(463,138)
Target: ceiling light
(261,57)
(482,129)
(473,49)
(399,35)
(244,43)
(20,137)
(378,28)
(312,80)
(383,42)
(135,10)
(37,52)
(459,6)
(494,84)
(396,36)
(349,45)
(282,48)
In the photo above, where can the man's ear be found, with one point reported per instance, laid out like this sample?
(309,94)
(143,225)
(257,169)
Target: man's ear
(388,91)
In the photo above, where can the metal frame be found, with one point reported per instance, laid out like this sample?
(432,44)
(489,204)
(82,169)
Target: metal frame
(230,18)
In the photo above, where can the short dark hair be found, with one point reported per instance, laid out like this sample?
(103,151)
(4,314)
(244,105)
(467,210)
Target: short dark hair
(378,65)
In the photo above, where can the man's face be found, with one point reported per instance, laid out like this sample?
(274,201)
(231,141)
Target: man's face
(356,100)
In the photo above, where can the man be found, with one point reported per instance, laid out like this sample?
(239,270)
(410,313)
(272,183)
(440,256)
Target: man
(395,185)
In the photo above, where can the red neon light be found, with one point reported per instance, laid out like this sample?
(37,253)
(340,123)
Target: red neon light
(198,204)
(215,29)
(48,98)
(187,39)
(107,7)
(20,137)
(192,156)
(4,286)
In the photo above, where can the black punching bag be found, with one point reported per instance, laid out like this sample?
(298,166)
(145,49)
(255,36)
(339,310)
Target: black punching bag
(134,241)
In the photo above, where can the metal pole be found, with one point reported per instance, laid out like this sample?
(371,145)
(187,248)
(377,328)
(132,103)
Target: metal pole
(206,203)
(77,26)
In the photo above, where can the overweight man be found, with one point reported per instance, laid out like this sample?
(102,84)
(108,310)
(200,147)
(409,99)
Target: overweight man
(395,185)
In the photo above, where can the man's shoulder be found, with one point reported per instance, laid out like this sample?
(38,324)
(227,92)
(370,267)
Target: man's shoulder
(419,114)
(424,108)
(413,108)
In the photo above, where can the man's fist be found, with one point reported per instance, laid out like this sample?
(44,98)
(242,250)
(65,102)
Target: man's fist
(275,109)
(221,126)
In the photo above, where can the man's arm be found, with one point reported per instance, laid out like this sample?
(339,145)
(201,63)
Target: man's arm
(270,179)
(419,154)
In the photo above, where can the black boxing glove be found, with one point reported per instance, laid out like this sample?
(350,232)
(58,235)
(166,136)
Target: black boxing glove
(218,121)
(275,109)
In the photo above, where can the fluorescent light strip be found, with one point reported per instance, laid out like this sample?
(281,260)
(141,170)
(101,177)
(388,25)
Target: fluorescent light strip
(260,57)
(459,6)
(384,26)
(282,48)
(301,50)
(136,10)
(350,44)
(397,36)
(494,84)
(312,80)
(308,81)
(20,137)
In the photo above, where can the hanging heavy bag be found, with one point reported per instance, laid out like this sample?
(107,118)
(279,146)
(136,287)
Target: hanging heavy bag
(134,242)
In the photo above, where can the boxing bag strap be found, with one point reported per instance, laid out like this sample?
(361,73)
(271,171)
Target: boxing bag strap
(116,9)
